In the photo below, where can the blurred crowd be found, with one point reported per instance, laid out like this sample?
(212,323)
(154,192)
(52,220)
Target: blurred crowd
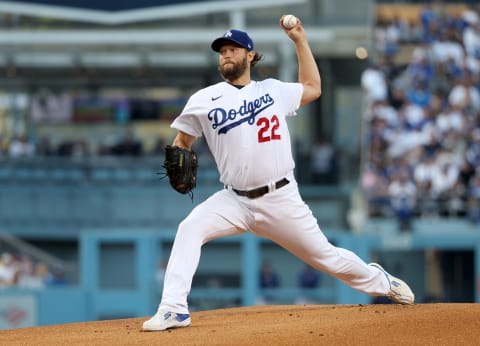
(22,271)
(423,115)
(317,164)
(21,146)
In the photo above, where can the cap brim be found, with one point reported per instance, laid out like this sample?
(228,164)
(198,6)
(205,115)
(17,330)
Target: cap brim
(219,42)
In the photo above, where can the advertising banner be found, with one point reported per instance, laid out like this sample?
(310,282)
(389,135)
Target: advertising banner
(18,311)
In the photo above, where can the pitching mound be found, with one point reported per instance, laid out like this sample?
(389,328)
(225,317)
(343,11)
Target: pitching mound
(422,324)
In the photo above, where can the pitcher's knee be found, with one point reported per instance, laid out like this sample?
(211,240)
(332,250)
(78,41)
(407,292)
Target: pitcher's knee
(191,229)
(186,227)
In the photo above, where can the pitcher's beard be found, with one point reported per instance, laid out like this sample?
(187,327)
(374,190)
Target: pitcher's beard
(234,72)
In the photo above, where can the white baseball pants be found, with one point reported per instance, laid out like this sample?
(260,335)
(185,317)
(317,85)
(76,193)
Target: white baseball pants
(281,216)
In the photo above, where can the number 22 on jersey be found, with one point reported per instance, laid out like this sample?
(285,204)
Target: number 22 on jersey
(268,129)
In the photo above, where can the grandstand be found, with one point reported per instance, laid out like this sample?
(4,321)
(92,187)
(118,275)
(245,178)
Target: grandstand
(88,92)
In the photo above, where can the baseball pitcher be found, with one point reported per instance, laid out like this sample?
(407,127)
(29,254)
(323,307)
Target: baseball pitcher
(244,124)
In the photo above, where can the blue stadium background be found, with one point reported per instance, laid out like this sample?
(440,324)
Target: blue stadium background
(86,99)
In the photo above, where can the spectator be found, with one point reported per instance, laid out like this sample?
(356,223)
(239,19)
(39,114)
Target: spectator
(413,115)
(471,65)
(450,119)
(466,172)
(432,144)
(445,49)
(429,26)
(419,95)
(375,187)
(444,179)
(268,279)
(308,279)
(382,109)
(56,278)
(268,276)
(387,37)
(443,79)
(42,274)
(401,29)
(31,277)
(457,203)
(374,83)
(423,173)
(422,177)
(20,146)
(471,39)
(465,96)
(390,71)
(26,271)
(8,270)
(397,98)
(472,154)
(452,68)
(420,70)
(415,32)
(402,194)
(323,162)
(470,15)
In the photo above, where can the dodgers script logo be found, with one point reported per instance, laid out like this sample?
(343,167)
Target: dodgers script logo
(247,112)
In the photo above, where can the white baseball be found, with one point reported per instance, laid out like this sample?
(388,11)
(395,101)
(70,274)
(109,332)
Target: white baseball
(289,21)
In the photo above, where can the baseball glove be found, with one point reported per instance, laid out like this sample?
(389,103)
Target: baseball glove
(181,168)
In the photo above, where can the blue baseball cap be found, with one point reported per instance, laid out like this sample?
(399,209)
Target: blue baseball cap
(236,36)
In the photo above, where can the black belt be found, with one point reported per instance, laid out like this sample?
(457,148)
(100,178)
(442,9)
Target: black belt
(260,191)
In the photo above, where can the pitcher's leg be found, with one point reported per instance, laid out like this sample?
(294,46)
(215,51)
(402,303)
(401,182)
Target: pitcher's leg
(294,227)
(314,249)
(218,216)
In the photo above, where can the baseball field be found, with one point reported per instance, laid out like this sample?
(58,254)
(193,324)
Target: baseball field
(420,324)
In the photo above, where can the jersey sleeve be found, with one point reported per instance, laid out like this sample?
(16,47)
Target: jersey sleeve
(291,95)
(188,121)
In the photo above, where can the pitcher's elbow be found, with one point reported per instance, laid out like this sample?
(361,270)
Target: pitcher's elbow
(316,93)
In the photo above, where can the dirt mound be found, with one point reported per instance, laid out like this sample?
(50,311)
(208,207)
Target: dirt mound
(421,324)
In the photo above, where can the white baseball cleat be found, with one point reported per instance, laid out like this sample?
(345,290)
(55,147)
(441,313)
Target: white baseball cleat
(166,319)
(399,291)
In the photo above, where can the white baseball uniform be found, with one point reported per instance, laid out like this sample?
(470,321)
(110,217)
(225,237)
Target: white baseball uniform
(247,133)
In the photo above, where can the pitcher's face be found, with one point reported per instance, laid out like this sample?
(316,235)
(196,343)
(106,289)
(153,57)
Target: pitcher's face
(232,62)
